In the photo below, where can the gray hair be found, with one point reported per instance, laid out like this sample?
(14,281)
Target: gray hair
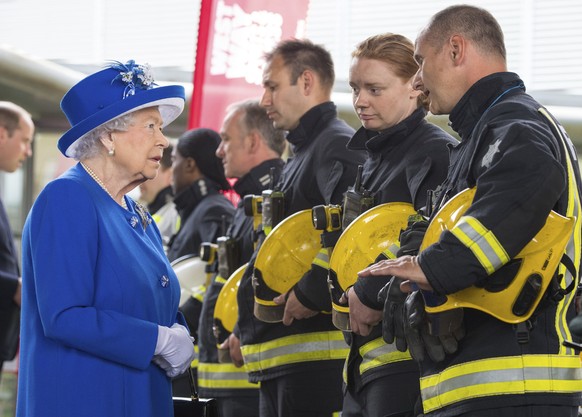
(254,117)
(89,145)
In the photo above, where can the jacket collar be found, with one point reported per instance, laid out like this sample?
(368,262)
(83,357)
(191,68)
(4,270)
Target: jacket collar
(258,178)
(479,98)
(163,197)
(377,142)
(188,199)
(311,123)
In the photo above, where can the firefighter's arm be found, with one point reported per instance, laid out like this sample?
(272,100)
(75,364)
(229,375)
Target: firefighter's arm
(512,201)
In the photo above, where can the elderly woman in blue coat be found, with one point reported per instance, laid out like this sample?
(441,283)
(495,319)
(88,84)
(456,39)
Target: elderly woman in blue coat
(101,333)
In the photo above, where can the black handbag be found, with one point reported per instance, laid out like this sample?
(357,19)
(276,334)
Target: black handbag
(194,406)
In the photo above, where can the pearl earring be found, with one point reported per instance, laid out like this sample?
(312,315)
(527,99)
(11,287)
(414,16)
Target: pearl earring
(111,152)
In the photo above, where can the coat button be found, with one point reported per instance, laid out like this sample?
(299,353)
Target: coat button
(165,281)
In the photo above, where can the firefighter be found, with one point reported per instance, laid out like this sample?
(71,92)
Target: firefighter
(198,183)
(299,361)
(250,150)
(408,156)
(522,165)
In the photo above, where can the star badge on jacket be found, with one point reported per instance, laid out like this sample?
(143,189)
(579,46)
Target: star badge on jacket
(488,158)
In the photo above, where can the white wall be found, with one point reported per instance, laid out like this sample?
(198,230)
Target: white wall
(543,37)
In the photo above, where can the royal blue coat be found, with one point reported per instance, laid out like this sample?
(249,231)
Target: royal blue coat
(96,285)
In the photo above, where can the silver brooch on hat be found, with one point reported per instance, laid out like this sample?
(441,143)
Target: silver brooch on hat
(134,75)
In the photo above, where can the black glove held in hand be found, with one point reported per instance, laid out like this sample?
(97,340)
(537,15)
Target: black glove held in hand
(434,334)
(393,315)
(411,238)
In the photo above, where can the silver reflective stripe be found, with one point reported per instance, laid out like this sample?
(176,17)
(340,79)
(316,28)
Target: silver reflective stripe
(293,349)
(322,258)
(500,376)
(391,251)
(377,353)
(481,242)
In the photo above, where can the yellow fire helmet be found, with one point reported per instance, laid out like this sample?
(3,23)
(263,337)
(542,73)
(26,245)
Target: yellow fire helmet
(226,311)
(283,258)
(375,231)
(191,272)
(511,293)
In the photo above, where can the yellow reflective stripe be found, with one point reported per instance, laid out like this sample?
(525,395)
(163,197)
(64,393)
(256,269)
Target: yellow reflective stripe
(573,247)
(223,375)
(219,279)
(500,376)
(482,242)
(157,218)
(377,353)
(391,251)
(265,302)
(573,252)
(194,363)
(305,347)
(198,292)
(322,258)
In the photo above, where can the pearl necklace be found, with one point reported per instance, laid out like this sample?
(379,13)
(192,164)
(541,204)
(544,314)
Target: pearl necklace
(98,181)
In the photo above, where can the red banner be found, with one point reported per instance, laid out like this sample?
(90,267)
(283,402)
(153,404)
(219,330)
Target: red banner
(233,36)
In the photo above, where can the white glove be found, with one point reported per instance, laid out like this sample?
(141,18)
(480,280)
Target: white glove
(174,349)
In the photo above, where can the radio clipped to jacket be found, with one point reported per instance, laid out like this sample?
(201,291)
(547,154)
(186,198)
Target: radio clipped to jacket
(333,217)
(273,206)
(228,255)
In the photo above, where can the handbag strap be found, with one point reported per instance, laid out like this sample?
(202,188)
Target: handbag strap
(193,389)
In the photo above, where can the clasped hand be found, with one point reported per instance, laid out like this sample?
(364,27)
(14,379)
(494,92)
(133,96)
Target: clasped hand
(294,310)
(232,344)
(174,349)
(405,321)
(362,318)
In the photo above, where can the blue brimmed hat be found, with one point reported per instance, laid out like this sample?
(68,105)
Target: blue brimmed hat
(112,92)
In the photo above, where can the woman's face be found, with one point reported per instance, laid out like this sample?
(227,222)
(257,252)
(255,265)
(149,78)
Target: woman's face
(181,171)
(139,149)
(380,98)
